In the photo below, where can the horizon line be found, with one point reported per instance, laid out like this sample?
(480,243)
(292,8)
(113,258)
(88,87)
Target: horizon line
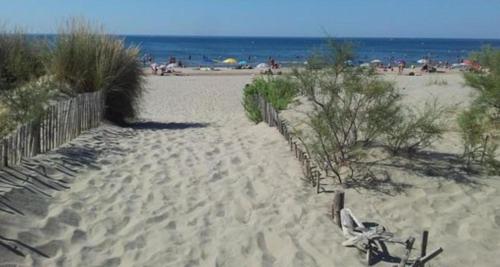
(285,37)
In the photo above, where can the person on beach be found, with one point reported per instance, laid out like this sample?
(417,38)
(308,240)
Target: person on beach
(401,67)
(154,68)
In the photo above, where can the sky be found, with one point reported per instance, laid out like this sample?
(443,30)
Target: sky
(307,18)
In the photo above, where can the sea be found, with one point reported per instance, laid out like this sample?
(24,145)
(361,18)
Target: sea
(202,51)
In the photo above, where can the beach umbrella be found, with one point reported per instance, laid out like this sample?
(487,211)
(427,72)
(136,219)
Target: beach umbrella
(422,61)
(262,66)
(230,61)
(376,61)
(243,62)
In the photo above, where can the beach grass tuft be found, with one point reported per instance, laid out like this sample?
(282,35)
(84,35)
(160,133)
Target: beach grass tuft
(88,60)
(21,59)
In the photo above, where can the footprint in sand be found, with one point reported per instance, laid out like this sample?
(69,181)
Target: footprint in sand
(78,236)
(242,210)
(69,217)
(236,161)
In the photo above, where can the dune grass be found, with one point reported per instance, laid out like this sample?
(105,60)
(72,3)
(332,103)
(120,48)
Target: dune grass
(88,60)
(21,59)
(21,62)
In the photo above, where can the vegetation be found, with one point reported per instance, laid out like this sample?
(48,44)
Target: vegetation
(21,59)
(279,92)
(81,59)
(478,123)
(88,60)
(476,130)
(21,63)
(354,108)
(486,81)
(411,130)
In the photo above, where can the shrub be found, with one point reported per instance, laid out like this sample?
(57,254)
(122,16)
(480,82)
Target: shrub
(89,60)
(279,92)
(352,107)
(477,137)
(487,81)
(251,104)
(412,130)
(21,59)
(25,103)
(28,102)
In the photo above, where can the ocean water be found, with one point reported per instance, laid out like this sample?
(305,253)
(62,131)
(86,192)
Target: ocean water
(194,51)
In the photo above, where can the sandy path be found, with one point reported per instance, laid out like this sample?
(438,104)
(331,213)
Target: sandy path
(199,185)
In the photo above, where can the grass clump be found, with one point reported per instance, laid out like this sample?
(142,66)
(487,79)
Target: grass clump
(21,59)
(279,92)
(88,60)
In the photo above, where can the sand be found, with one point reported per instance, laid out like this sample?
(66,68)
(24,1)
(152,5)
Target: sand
(431,191)
(197,184)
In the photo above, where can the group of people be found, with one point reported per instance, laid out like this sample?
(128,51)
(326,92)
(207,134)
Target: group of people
(273,64)
(168,67)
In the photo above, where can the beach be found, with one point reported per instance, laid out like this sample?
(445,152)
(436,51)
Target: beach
(195,183)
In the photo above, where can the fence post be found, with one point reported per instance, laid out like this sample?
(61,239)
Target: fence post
(337,206)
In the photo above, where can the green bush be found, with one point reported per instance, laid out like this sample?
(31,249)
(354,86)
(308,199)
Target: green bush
(88,60)
(25,103)
(477,138)
(487,81)
(21,59)
(412,130)
(279,92)
(352,107)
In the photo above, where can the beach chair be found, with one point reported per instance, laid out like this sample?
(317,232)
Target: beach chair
(358,234)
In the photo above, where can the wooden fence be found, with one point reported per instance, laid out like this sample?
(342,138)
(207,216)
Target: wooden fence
(311,171)
(60,123)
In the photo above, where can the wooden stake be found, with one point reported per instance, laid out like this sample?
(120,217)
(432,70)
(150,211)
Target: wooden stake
(431,256)
(409,247)
(425,238)
(337,206)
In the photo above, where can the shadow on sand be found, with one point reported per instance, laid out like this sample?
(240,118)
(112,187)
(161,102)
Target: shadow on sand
(425,164)
(27,189)
(151,125)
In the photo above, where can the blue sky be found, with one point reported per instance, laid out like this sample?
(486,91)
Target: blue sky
(338,18)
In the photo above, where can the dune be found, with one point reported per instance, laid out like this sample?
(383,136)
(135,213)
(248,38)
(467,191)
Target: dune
(429,191)
(193,184)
